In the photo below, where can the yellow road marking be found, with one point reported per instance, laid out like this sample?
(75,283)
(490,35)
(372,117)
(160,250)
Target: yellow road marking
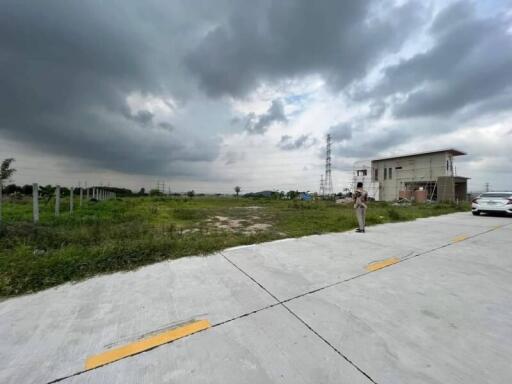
(382,264)
(145,344)
(459,238)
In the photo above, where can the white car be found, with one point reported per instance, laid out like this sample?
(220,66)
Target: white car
(492,202)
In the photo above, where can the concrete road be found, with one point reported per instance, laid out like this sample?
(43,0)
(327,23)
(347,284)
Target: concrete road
(307,310)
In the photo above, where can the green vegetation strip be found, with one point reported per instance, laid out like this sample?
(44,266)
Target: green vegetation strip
(123,234)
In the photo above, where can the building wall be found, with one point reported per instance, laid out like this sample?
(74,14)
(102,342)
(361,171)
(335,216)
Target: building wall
(362,172)
(421,168)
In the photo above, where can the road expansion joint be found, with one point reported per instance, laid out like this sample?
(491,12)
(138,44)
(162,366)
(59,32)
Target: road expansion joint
(282,303)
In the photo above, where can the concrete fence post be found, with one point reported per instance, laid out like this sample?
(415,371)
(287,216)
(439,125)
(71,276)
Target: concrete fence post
(86,193)
(57,200)
(71,199)
(35,202)
(81,196)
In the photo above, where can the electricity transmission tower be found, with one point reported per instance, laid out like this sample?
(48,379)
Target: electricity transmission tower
(322,190)
(487,187)
(160,186)
(328,175)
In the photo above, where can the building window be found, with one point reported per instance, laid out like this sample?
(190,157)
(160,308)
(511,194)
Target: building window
(376,177)
(385,173)
(361,172)
(447,165)
(390,173)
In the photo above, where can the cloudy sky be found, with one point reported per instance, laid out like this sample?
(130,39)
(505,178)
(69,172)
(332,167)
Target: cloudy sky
(209,94)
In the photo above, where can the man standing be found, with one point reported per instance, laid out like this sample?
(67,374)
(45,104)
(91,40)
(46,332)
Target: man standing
(360,198)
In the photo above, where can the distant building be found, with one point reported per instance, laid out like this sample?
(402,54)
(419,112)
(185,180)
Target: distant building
(426,175)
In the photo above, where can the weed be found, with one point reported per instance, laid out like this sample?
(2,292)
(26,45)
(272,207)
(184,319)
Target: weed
(123,234)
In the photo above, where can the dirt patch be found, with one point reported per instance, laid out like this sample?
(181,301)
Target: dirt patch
(248,225)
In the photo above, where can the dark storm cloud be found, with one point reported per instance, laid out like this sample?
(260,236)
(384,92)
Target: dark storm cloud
(167,126)
(258,124)
(276,40)
(288,143)
(66,69)
(367,144)
(469,63)
(142,117)
(341,132)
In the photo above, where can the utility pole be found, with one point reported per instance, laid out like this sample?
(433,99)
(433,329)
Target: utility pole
(81,193)
(71,191)
(57,200)
(328,174)
(35,202)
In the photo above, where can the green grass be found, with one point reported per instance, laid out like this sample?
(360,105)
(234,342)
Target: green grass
(126,233)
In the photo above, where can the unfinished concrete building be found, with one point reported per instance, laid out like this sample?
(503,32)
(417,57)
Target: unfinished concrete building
(418,176)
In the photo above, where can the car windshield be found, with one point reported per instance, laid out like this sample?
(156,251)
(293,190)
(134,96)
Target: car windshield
(497,194)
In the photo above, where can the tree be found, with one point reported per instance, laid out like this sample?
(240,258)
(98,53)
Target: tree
(27,189)
(12,188)
(6,171)
(142,191)
(191,193)
(237,190)
(46,192)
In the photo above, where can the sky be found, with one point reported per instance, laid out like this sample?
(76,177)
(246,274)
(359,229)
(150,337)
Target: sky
(211,94)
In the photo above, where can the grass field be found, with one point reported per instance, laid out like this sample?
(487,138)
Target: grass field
(122,234)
